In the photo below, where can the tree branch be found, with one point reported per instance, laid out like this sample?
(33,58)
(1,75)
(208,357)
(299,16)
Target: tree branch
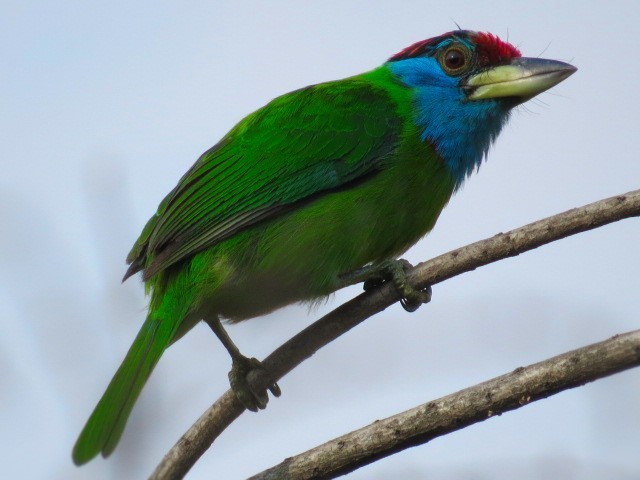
(461,409)
(227,408)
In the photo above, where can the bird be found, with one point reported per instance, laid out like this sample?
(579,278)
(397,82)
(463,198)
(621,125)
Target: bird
(307,190)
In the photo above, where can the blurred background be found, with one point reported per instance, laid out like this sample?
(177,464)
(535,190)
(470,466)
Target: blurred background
(106,104)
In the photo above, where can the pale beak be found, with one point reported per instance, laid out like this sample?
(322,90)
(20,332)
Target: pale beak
(520,80)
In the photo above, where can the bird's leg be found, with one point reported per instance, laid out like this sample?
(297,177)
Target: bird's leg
(395,271)
(240,368)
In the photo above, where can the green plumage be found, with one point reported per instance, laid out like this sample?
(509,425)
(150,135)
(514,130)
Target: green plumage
(265,218)
(302,145)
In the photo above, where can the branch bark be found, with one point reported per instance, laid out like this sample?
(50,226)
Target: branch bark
(447,414)
(227,408)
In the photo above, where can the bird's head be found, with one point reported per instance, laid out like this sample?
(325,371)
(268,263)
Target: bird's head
(465,84)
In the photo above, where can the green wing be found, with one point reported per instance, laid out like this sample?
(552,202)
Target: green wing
(301,145)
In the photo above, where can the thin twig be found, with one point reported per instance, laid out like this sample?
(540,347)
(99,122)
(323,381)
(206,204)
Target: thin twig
(461,409)
(227,408)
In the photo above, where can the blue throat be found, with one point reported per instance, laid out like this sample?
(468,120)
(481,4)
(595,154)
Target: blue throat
(461,131)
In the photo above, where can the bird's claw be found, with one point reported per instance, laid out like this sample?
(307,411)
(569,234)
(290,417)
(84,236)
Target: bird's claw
(251,399)
(396,271)
(413,298)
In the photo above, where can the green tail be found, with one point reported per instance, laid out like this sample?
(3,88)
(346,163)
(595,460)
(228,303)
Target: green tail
(106,424)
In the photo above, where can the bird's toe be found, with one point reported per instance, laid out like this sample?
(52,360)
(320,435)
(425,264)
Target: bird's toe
(252,399)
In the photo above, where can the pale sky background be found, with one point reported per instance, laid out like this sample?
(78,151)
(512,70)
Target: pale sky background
(106,104)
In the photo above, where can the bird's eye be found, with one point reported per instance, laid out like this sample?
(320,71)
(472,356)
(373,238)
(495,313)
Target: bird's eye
(455,60)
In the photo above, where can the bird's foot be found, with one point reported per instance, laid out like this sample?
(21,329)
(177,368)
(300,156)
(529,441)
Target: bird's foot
(396,272)
(251,399)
